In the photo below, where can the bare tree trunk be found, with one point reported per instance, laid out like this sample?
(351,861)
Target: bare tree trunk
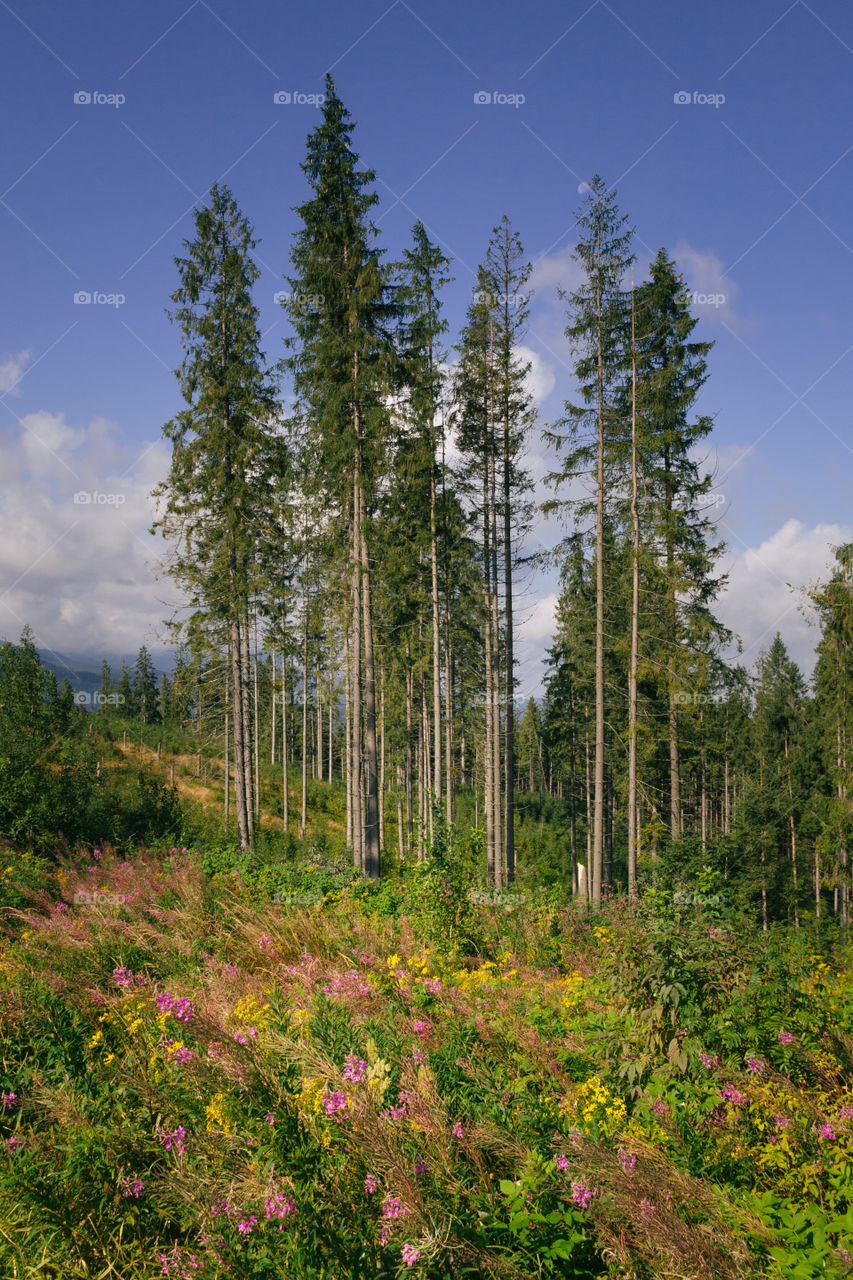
(371,862)
(227,799)
(284,808)
(410,693)
(347,752)
(450,785)
(331,732)
(598,804)
(674,770)
(236,654)
(382,757)
(247,730)
(635,624)
(436,638)
(303,811)
(356,759)
(257,727)
(272,713)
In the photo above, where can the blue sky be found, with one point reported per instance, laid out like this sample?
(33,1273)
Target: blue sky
(748,183)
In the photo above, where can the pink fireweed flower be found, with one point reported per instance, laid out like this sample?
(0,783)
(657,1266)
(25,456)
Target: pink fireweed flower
(132,1187)
(661,1108)
(279,1206)
(9,1100)
(421,1166)
(13,1143)
(582,1194)
(733,1095)
(270,1118)
(845,1112)
(245,1225)
(458,1131)
(371,1184)
(411,1255)
(244,1037)
(781,1121)
(756,1065)
(335,1105)
(417,1057)
(433,985)
(709,1060)
(562,1163)
(174,1140)
(826,1131)
(393,1207)
(420,1027)
(785,1037)
(355,1069)
(264,942)
(123,977)
(627,1160)
(221,1208)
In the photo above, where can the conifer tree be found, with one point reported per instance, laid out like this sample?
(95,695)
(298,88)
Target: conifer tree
(343,366)
(217,483)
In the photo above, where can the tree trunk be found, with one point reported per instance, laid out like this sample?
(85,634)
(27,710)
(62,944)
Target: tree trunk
(635,625)
(598,802)
(303,810)
(371,861)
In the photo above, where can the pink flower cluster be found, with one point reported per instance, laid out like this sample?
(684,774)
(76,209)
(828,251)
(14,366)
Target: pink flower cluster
(174,1140)
(582,1194)
(281,1207)
(245,1037)
(371,1184)
(562,1163)
(827,1132)
(335,1105)
(132,1186)
(411,1255)
(123,977)
(709,1060)
(733,1095)
(180,1007)
(627,1160)
(756,1065)
(355,1069)
(264,942)
(246,1225)
(9,1100)
(785,1037)
(346,987)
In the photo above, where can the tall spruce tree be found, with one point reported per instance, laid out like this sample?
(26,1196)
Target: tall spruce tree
(343,364)
(217,481)
(593,429)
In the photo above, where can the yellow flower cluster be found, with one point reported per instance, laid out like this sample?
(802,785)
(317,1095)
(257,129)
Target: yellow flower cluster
(573,983)
(602,935)
(217,1115)
(595,1105)
(250,1010)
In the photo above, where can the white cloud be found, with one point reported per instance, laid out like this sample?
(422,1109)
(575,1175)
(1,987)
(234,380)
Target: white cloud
(540,376)
(82,574)
(766,588)
(714,293)
(11,370)
(556,270)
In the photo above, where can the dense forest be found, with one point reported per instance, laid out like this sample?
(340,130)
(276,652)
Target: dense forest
(350,557)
